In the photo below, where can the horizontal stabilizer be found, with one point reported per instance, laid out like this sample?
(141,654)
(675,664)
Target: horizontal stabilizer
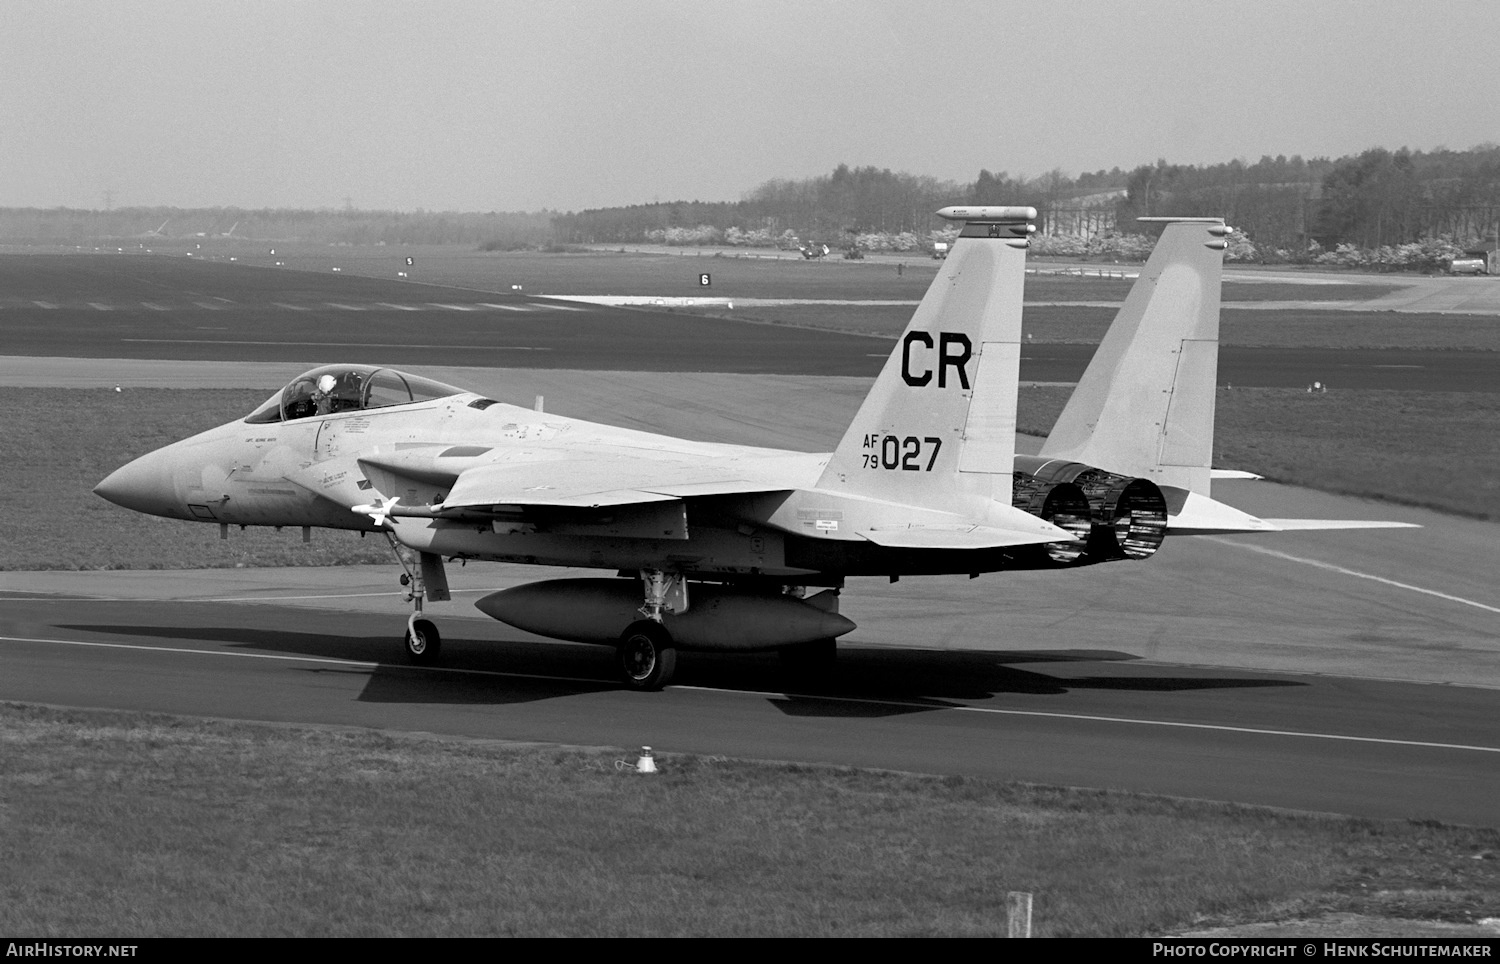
(1290,525)
(952,537)
(1233,474)
(1191,514)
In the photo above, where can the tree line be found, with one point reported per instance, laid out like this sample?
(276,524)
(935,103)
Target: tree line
(1400,208)
(355,227)
(1286,208)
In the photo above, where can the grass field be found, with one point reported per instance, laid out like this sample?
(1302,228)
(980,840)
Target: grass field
(132,825)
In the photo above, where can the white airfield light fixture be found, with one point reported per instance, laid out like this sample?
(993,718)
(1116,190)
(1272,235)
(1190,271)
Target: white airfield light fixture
(645,763)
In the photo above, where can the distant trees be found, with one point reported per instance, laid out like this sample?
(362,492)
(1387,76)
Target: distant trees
(1271,201)
(873,208)
(1383,199)
(854,200)
(1403,209)
(1295,209)
(493,229)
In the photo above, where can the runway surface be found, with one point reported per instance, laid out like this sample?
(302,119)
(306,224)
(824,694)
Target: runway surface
(142,307)
(98,306)
(1355,672)
(1204,676)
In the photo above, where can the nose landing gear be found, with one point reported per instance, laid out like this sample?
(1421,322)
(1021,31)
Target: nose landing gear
(423,643)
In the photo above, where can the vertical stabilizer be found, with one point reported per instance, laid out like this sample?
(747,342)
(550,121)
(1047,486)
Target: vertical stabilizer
(938,427)
(1145,405)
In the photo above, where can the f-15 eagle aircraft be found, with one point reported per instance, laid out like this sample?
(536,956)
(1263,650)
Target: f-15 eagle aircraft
(733,548)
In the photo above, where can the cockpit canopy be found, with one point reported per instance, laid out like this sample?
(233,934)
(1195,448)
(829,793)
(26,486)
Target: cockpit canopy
(347,388)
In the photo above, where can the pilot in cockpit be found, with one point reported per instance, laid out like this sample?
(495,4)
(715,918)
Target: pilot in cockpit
(323,396)
(343,392)
(331,390)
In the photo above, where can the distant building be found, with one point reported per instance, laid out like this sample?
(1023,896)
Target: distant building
(1490,252)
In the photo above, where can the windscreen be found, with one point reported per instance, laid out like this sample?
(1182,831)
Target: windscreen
(343,388)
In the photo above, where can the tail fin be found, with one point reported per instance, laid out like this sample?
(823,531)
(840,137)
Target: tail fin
(1145,405)
(938,427)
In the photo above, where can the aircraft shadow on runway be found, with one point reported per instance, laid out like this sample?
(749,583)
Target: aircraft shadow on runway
(868,681)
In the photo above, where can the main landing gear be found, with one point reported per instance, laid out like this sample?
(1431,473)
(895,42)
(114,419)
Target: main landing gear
(647,655)
(423,643)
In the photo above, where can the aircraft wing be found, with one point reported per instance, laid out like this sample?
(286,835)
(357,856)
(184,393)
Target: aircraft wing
(593,483)
(622,477)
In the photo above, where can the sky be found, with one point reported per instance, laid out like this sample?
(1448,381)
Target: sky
(551,104)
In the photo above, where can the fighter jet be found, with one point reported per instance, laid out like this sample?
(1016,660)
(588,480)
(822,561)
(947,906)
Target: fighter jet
(733,548)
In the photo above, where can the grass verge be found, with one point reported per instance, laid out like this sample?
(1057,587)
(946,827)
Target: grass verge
(136,825)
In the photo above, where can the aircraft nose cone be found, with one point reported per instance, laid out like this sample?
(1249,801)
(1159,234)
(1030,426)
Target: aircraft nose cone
(144,485)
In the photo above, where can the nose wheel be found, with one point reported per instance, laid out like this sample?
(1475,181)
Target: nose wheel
(423,641)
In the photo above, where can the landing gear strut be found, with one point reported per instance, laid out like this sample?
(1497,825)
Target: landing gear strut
(646,653)
(423,643)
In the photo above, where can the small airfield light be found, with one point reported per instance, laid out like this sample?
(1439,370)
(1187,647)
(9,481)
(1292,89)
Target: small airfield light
(646,763)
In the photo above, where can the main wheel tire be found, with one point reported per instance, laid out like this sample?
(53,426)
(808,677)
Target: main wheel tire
(647,657)
(423,642)
(812,662)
